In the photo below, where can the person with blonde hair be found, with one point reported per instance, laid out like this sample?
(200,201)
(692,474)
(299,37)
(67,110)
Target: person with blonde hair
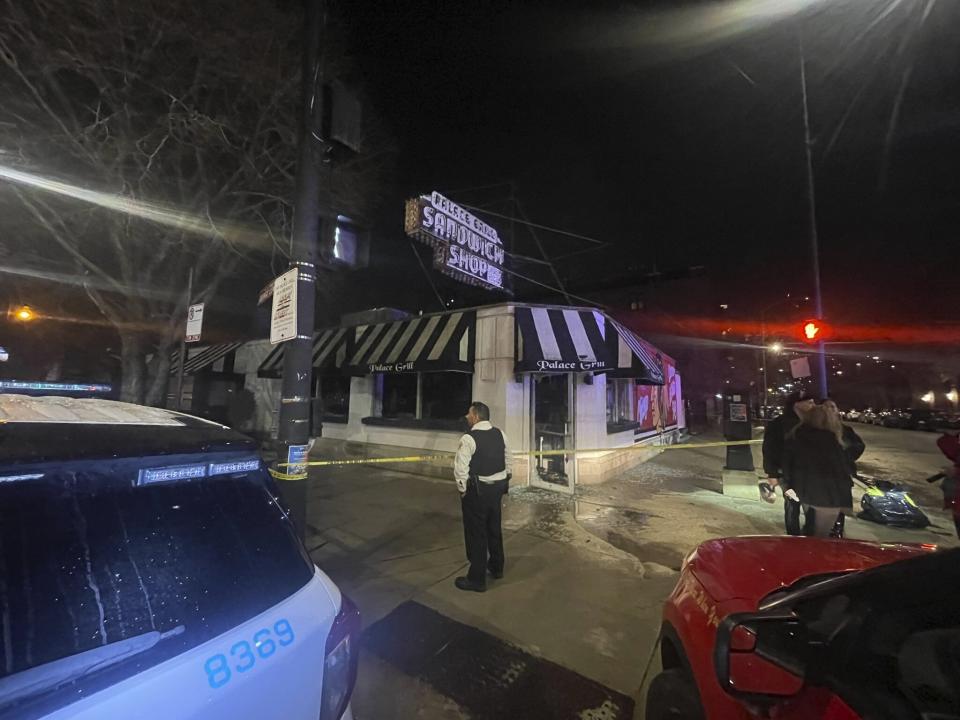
(818,467)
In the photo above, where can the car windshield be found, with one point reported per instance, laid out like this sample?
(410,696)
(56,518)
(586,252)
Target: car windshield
(108,568)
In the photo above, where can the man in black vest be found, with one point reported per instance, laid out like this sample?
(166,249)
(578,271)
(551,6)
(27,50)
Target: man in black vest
(482,470)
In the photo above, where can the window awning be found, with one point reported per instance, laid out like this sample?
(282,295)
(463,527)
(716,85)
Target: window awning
(634,357)
(562,340)
(203,359)
(329,350)
(421,344)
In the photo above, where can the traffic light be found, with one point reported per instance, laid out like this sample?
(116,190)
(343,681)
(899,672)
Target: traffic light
(814,331)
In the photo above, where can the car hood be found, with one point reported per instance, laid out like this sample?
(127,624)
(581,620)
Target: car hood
(752,567)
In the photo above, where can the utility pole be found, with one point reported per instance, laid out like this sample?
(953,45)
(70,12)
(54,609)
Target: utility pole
(183,343)
(313,166)
(812,203)
(763,342)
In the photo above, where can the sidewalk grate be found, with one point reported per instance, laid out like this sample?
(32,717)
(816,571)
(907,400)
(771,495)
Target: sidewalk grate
(488,677)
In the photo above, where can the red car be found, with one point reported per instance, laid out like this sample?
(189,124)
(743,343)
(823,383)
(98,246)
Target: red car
(795,628)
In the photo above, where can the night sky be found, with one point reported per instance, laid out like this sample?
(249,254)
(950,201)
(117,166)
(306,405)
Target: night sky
(677,136)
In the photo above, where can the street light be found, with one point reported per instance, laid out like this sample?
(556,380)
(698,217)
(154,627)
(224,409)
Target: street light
(24,314)
(776,347)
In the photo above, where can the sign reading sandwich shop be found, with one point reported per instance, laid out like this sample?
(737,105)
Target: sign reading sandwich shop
(464,247)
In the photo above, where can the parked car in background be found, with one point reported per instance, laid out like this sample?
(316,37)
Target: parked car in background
(893,418)
(769,412)
(798,628)
(922,419)
(868,416)
(952,421)
(852,415)
(151,571)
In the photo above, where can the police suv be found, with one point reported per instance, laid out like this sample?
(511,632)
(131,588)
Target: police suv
(148,570)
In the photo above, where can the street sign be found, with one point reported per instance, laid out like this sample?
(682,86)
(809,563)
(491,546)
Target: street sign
(800,367)
(283,318)
(194,323)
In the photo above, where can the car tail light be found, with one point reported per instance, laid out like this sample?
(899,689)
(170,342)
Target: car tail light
(340,662)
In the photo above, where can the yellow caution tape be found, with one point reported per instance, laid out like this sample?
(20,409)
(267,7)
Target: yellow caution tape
(544,453)
(277,475)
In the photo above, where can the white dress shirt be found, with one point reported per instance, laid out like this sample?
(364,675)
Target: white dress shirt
(468,446)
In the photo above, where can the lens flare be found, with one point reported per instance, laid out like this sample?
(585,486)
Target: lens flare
(154,212)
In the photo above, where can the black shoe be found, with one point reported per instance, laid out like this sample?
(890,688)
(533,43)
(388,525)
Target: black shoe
(464,583)
(496,575)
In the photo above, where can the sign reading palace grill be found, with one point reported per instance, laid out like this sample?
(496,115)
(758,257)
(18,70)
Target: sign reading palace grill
(464,247)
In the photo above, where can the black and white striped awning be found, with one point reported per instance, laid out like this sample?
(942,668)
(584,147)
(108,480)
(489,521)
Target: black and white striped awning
(203,359)
(561,340)
(634,357)
(329,350)
(421,344)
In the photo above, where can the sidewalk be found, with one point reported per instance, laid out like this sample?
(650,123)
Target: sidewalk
(664,508)
(567,597)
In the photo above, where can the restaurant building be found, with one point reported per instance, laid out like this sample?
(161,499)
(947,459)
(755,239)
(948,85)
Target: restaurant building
(387,384)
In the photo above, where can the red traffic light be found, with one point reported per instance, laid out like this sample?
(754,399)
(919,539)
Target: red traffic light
(814,331)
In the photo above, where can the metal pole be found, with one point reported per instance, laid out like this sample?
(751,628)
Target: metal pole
(181,361)
(812,202)
(312,164)
(763,341)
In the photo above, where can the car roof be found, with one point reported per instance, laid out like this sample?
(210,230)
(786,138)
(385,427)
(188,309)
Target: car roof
(42,429)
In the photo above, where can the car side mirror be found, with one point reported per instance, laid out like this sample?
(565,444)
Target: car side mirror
(761,658)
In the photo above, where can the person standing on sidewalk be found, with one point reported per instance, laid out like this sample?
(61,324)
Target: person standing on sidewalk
(818,470)
(774,443)
(482,469)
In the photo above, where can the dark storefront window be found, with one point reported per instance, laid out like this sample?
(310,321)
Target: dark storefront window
(620,400)
(334,393)
(445,395)
(399,396)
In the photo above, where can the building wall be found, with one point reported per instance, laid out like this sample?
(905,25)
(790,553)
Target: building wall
(266,392)
(494,383)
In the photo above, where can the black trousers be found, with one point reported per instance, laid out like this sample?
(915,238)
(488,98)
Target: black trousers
(482,533)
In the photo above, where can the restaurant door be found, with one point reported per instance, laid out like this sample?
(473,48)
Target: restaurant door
(553,413)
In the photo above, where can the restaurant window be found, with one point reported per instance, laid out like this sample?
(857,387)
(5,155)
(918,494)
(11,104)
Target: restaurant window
(445,395)
(425,396)
(334,393)
(620,400)
(398,395)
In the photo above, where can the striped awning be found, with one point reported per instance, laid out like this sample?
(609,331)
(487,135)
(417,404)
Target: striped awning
(203,359)
(329,350)
(561,340)
(421,344)
(635,357)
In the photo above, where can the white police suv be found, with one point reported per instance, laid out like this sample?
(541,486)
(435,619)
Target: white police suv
(148,570)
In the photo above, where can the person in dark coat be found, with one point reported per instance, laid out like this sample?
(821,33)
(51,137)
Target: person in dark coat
(774,443)
(853,446)
(818,468)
